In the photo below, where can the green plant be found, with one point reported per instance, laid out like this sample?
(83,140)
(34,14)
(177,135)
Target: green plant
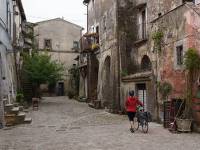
(75,79)
(192,64)
(157,37)
(20,98)
(95,46)
(124,72)
(39,69)
(165,89)
(71,94)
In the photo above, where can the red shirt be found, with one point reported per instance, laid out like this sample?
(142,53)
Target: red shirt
(132,103)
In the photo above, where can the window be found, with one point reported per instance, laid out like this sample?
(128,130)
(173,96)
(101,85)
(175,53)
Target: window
(179,55)
(47,44)
(8,17)
(75,45)
(97,31)
(188,1)
(142,22)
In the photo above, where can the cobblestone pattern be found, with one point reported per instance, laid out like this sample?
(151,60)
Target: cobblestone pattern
(62,124)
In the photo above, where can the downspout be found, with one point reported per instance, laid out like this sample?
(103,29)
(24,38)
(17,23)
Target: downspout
(15,48)
(88,58)
(118,58)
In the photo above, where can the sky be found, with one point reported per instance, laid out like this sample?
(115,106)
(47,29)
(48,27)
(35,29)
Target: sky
(71,10)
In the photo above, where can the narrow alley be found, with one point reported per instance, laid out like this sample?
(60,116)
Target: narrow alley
(63,124)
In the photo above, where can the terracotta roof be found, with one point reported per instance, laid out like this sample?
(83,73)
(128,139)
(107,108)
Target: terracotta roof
(138,76)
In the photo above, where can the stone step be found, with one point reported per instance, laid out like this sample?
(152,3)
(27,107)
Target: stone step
(8,107)
(21,108)
(15,110)
(27,120)
(20,118)
(16,104)
(10,119)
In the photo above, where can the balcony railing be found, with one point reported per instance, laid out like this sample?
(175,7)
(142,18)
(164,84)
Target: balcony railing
(86,44)
(90,42)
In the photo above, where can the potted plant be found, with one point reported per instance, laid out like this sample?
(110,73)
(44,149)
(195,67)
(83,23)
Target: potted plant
(192,65)
(95,46)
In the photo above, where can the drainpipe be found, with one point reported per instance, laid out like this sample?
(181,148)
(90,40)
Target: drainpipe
(86,14)
(88,58)
(118,58)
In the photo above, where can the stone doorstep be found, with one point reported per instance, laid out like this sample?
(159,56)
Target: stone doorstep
(97,104)
(27,120)
(91,105)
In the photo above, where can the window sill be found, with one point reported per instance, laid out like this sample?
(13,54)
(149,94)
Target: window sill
(141,41)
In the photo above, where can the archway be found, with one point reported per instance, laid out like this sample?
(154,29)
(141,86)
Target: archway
(146,64)
(106,87)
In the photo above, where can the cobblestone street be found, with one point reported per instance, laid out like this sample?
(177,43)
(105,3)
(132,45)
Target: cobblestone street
(62,124)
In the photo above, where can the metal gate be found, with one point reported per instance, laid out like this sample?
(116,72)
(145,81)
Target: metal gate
(142,94)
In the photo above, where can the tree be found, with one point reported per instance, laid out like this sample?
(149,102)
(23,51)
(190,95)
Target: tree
(192,65)
(40,69)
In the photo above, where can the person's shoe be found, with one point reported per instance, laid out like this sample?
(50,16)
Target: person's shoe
(132,130)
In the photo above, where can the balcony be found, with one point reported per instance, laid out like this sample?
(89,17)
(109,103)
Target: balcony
(90,42)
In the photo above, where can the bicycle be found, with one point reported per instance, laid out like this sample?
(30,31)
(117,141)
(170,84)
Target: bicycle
(142,119)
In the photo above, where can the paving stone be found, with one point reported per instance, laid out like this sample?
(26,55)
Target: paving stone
(62,124)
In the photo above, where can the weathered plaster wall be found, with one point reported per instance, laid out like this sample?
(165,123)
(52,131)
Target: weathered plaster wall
(103,14)
(7,80)
(62,34)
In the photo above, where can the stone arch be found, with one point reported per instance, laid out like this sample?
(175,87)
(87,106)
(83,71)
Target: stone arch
(146,64)
(106,83)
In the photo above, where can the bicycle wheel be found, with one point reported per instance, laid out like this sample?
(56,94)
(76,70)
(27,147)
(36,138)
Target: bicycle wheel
(136,124)
(145,126)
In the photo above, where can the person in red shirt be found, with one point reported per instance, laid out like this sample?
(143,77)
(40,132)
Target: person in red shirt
(131,105)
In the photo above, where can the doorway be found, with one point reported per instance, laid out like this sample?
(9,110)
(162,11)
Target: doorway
(142,94)
(61,89)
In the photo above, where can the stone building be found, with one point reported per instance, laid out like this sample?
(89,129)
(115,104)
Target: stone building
(101,49)
(11,17)
(122,53)
(60,39)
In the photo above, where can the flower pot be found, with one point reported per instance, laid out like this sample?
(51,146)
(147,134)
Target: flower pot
(184,125)
(196,110)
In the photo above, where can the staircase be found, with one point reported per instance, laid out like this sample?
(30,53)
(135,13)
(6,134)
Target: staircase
(14,115)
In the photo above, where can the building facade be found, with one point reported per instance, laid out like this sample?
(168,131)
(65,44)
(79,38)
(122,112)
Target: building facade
(60,39)
(128,57)
(11,18)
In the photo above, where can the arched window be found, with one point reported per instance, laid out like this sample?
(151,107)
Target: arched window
(146,63)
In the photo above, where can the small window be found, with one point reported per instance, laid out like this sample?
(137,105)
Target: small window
(179,55)
(97,31)
(47,44)
(76,45)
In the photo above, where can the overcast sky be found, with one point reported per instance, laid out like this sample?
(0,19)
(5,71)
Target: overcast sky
(72,10)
